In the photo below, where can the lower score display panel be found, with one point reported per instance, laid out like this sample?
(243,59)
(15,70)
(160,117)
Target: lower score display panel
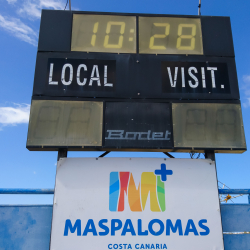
(208,125)
(137,126)
(65,123)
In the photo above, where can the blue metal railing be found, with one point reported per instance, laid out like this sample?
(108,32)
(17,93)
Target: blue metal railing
(26,191)
(236,191)
(51,191)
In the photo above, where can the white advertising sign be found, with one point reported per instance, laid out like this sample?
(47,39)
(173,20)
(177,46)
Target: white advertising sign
(136,203)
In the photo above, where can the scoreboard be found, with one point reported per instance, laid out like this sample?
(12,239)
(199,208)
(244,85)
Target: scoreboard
(115,81)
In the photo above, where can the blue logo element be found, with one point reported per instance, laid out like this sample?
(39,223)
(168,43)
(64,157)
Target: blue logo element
(163,172)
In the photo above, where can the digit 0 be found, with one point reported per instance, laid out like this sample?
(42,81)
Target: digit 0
(95,29)
(191,37)
(152,38)
(120,42)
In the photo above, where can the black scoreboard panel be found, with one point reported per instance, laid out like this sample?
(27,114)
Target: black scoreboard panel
(115,81)
(135,76)
(138,125)
(154,56)
(56,31)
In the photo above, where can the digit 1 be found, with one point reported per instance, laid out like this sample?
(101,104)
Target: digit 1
(193,33)
(95,29)
(152,38)
(106,40)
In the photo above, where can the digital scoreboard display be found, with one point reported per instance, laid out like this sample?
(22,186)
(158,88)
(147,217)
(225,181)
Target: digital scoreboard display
(138,56)
(118,34)
(145,82)
(170,35)
(104,33)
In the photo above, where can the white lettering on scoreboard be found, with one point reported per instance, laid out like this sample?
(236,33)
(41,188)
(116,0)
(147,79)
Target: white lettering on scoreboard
(136,203)
(80,74)
(95,76)
(191,71)
(195,77)
(121,135)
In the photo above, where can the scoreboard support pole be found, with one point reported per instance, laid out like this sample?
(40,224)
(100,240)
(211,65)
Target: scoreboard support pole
(169,155)
(199,8)
(210,155)
(62,153)
(105,153)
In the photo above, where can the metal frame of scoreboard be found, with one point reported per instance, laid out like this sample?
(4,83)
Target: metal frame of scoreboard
(140,82)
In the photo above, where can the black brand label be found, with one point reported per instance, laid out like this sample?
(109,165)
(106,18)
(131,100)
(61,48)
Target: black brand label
(138,125)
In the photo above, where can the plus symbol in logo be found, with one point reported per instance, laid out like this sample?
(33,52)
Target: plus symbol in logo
(163,172)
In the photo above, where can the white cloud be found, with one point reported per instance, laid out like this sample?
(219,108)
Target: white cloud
(11,1)
(246,103)
(245,88)
(32,8)
(18,29)
(14,115)
(246,78)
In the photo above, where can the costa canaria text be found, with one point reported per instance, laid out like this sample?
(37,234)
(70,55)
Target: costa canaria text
(137,246)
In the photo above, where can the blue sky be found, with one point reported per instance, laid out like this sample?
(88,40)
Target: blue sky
(19,30)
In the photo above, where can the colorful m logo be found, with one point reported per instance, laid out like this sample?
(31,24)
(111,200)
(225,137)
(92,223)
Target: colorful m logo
(122,183)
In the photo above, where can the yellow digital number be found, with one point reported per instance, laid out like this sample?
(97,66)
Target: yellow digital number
(191,37)
(95,29)
(120,42)
(152,38)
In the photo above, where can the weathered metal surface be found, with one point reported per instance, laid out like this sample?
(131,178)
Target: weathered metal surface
(25,227)
(28,227)
(235,217)
(236,241)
